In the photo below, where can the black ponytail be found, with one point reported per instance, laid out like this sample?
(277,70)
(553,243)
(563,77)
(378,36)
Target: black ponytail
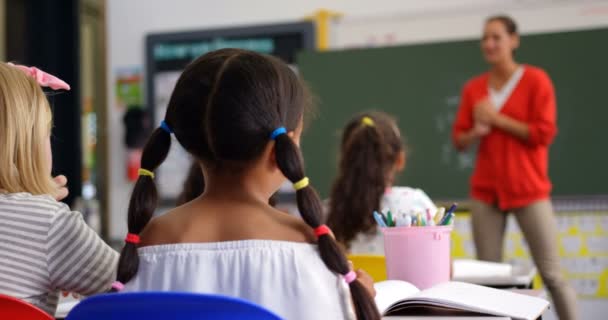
(144,200)
(289,161)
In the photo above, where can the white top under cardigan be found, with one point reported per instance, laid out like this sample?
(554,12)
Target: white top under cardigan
(500,97)
(288,278)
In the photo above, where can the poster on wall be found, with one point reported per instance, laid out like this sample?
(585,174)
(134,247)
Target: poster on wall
(167,54)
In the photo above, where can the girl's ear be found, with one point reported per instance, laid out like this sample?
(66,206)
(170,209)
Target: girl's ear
(295,135)
(400,162)
(270,152)
(269,156)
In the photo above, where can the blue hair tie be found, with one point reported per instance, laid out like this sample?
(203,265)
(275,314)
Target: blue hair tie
(165,127)
(277,132)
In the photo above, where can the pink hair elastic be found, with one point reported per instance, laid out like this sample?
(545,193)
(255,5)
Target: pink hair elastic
(350,277)
(44,79)
(118,286)
(322,230)
(132,238)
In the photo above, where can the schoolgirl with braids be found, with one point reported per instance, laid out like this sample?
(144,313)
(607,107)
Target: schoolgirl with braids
(239,113)
(372,153)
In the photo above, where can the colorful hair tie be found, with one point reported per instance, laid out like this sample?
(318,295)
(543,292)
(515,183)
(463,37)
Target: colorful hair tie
(277,132)
(132,238)
(145,172)
(367,121)
(118,286)
(350,276)
(165,127)
(322,230)
(301,184)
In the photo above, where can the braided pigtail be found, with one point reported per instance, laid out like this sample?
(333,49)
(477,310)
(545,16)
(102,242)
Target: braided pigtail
(142,205)
(289,161)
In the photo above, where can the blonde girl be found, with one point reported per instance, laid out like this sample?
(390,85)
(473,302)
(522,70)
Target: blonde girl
(44,247)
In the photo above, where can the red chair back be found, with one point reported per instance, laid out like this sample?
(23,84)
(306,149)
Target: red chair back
(13,308)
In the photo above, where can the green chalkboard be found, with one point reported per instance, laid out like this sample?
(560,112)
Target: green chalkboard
(420,85)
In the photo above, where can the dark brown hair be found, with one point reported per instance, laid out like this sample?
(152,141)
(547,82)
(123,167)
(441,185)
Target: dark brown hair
(507,21)
(223,109)
(368,154)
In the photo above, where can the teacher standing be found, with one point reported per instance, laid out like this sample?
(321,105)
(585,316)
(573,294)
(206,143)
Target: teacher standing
(511,112)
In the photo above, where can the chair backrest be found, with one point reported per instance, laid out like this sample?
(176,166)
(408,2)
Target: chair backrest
(167,305)
(13,308)
(374,265)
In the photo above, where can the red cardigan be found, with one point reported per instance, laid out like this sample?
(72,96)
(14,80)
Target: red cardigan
(510,172)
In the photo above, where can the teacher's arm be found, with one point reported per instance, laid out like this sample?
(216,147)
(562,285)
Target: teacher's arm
(465,139)
(516,128)
(542,126)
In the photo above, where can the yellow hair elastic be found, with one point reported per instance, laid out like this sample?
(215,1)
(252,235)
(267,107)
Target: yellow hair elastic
(367,121)
(301,184)
(145,172)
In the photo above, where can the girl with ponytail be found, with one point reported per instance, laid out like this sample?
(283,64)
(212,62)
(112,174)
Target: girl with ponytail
(239,114)
(371,155)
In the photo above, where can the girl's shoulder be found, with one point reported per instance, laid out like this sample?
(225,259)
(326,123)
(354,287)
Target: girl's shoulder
(402,191)
(407,199)
(36,209)
(26,202)
(204,223)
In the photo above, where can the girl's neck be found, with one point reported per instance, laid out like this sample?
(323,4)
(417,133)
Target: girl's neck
(235,186)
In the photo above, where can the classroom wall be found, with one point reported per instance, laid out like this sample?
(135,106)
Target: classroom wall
(465,22)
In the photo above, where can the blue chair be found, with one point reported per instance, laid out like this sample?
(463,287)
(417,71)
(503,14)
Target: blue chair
(167,305)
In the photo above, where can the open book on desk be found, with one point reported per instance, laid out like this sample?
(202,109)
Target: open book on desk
(395,297)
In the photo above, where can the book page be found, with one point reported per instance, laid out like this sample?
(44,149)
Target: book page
(391,291)
(481,299)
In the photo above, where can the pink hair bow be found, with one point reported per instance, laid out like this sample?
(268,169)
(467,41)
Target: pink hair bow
(44,79)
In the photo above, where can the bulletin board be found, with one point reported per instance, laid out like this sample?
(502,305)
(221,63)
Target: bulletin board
(167,54)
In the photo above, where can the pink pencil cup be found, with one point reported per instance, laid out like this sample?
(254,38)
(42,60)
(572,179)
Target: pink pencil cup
(418,255)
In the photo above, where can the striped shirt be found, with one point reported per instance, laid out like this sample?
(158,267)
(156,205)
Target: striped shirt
(45,248)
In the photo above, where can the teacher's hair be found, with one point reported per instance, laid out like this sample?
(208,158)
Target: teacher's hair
(507,21)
